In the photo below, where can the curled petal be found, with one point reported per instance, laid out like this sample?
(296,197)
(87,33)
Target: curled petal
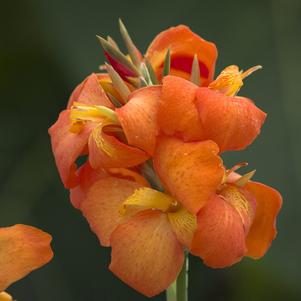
(220,236)
(263,229)
(184,225)
(90,92)
(67,147)
(87,176)
(23,249)
(145,253)
(128,174)
(107,151)
(183,45)
(232,122)
(178,114)
(190,171)
(138,118)
(102,203)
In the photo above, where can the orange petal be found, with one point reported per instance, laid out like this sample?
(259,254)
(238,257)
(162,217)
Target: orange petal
(178,114)
(128,174)
(263,229)
(183,45)
(145,253)
(138,118)
(232,122)
(190,171)
(220,237)
(101,205)
(23,249)
(106,151)
(87,176)
(90,92)
(184,225)
(67,147)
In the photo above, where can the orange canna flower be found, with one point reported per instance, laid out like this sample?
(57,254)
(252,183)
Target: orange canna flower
(89,125)
(154,184)
(183,45)
(22,250)
(215,214)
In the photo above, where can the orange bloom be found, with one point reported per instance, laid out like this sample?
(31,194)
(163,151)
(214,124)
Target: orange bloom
(89,125)
(183,45)
(217,216)
(22,250)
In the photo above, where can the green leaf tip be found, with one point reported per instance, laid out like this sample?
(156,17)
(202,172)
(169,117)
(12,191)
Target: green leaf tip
(195,76)
(166,68)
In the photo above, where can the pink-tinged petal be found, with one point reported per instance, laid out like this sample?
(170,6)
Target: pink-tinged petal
(183,45)
(86,176)
(263,229)
(67,147)
(178,114)
(102,203)
(22,250)
(145,253)
(232,122)
(138,118)
(191,171)
(107,151)
(90,92)
(220,237)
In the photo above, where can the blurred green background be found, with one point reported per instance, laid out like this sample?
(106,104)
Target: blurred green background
(47,47)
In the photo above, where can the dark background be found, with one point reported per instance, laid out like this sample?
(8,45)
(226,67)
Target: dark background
(47,47)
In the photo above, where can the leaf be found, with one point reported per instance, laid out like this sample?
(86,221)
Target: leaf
(132,49)
(151,72)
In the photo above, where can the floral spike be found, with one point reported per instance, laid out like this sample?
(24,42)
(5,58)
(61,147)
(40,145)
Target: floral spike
(166,68)
(118,83)
(132,49)
(114,100)
(112,42)
(151,72)
(116,54)
(145,74)
(195,76)
(242,181)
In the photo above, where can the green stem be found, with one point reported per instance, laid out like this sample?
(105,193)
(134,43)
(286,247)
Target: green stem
(178,290)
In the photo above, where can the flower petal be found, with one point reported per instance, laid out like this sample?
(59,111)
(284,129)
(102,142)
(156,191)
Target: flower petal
(23,249)
(178,114)
(87,176)
(102,203)
(220,237)
(232,122)
(183,45)
(138,118)
(190,171)
(107,151)
(145,253)
(184,225)
(90,92)
(263,229)
(67,147)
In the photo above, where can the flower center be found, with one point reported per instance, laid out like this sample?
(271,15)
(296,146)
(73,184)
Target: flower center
(231,79)
(82,113)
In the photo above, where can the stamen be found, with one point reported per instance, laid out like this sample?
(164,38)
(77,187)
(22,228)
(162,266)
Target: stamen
(81,113)
(230,80)
(243,180)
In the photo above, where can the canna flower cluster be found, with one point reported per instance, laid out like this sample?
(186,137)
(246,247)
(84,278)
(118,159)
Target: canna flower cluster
(149,132)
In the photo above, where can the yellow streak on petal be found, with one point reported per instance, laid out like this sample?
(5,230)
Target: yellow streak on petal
(147,198)
(183,224)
